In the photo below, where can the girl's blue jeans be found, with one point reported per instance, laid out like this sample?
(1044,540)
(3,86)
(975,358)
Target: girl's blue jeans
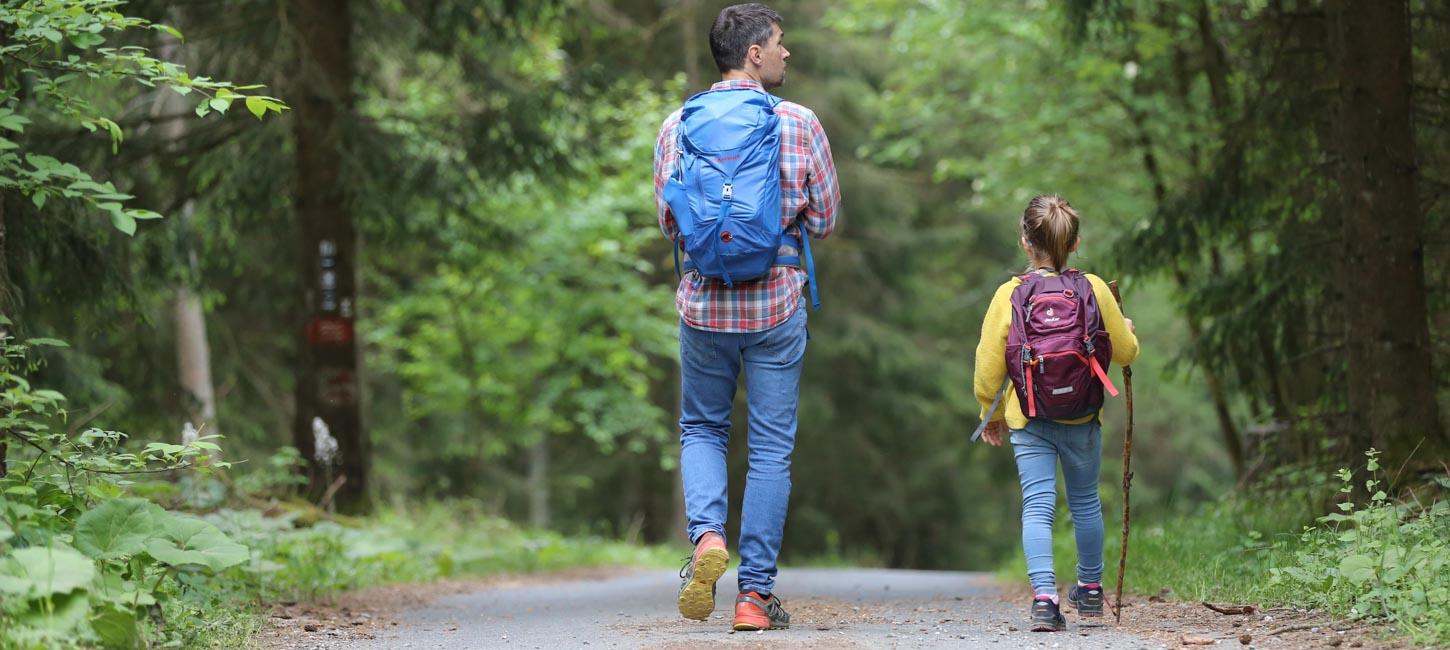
(1038,449)
(710,364)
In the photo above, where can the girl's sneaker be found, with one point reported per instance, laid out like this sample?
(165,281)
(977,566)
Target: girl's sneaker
(1086,599)
(1046,617)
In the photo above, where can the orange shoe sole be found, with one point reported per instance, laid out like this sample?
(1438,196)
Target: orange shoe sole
(697,599)
(751,623)
(754,622)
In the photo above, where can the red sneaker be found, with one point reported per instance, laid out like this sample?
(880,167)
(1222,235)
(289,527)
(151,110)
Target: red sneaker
(698,576)
(756,612)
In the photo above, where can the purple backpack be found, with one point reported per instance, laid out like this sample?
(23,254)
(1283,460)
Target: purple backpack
(1057,349)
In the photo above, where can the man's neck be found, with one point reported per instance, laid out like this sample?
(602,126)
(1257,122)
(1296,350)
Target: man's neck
(740,75)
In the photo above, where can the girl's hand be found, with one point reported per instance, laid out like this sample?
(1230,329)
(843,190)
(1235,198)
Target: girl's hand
(993,433)
(1129,322)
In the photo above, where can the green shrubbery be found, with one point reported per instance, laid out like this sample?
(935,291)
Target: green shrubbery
(83,561)
(86,560)
(1384,560)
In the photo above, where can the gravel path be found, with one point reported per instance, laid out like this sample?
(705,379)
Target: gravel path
(830,608)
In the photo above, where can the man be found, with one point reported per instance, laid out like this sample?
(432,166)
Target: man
(758,324)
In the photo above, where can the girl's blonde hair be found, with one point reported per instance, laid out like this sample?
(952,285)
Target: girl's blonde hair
(1049,224)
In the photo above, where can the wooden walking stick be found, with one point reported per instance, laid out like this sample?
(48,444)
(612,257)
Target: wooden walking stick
(1127,472)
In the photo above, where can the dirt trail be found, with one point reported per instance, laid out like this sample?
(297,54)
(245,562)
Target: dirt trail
(830,608)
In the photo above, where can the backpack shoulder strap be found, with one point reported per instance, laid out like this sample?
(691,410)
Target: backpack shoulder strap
(1021,294)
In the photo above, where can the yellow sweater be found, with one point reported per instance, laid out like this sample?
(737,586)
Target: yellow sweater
(992,351)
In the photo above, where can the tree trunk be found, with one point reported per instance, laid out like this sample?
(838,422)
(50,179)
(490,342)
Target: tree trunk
(1391,394)
(539,515)
(1216,66)
(328,365)
(193,354)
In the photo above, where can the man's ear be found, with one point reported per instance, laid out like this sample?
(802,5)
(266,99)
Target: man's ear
(753,54)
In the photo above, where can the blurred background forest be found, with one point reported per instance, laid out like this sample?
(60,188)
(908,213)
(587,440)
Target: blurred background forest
(447,250)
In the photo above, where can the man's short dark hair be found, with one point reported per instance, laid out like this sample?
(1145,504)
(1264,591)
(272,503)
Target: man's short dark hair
(736,29)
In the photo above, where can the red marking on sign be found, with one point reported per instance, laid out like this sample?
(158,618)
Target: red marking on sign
(336,387)
(329,330)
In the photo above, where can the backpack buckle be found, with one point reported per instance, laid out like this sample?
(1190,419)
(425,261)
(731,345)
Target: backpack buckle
(728,192)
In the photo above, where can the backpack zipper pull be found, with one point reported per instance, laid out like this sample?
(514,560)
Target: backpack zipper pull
(728,192)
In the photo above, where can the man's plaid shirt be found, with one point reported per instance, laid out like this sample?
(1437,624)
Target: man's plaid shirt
(809,196)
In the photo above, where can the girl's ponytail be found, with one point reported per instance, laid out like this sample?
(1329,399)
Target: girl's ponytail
(1049,224)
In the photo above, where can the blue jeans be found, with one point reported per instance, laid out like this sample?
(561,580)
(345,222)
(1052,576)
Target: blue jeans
(1038,448)
(710,362)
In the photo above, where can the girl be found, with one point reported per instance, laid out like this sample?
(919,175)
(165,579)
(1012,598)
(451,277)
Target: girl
(1049,234)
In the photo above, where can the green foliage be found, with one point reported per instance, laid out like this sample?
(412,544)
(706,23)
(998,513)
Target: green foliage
(40,572)
(536,317)
(1382,560)
(183,542)
(51,57)
(280,476)
(118,528)
(83,564)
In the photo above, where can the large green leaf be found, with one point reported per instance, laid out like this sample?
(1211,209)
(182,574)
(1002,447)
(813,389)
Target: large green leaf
(193,541)
(116,627)
(1357,568)
(119,528)
(50,619)
(42,571)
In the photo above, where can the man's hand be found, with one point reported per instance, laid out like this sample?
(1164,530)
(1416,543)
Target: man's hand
(993,433)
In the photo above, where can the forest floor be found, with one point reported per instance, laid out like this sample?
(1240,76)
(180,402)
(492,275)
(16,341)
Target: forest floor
(830,608)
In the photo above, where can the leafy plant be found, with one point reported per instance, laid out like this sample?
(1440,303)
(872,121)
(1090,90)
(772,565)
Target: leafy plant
(83,563)
(1383,560)
(282,475)
(56,48)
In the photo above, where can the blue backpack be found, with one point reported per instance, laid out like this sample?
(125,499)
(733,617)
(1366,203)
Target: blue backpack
(725,192)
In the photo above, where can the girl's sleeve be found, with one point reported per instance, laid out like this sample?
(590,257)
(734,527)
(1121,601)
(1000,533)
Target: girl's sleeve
(1125,342)
(991,365)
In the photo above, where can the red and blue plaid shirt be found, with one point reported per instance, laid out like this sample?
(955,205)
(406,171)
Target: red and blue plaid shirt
(809,196)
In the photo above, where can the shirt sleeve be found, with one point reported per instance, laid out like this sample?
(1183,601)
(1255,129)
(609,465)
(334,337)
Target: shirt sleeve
(1125,342)
(823,193)
(664,165)
(991,365)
